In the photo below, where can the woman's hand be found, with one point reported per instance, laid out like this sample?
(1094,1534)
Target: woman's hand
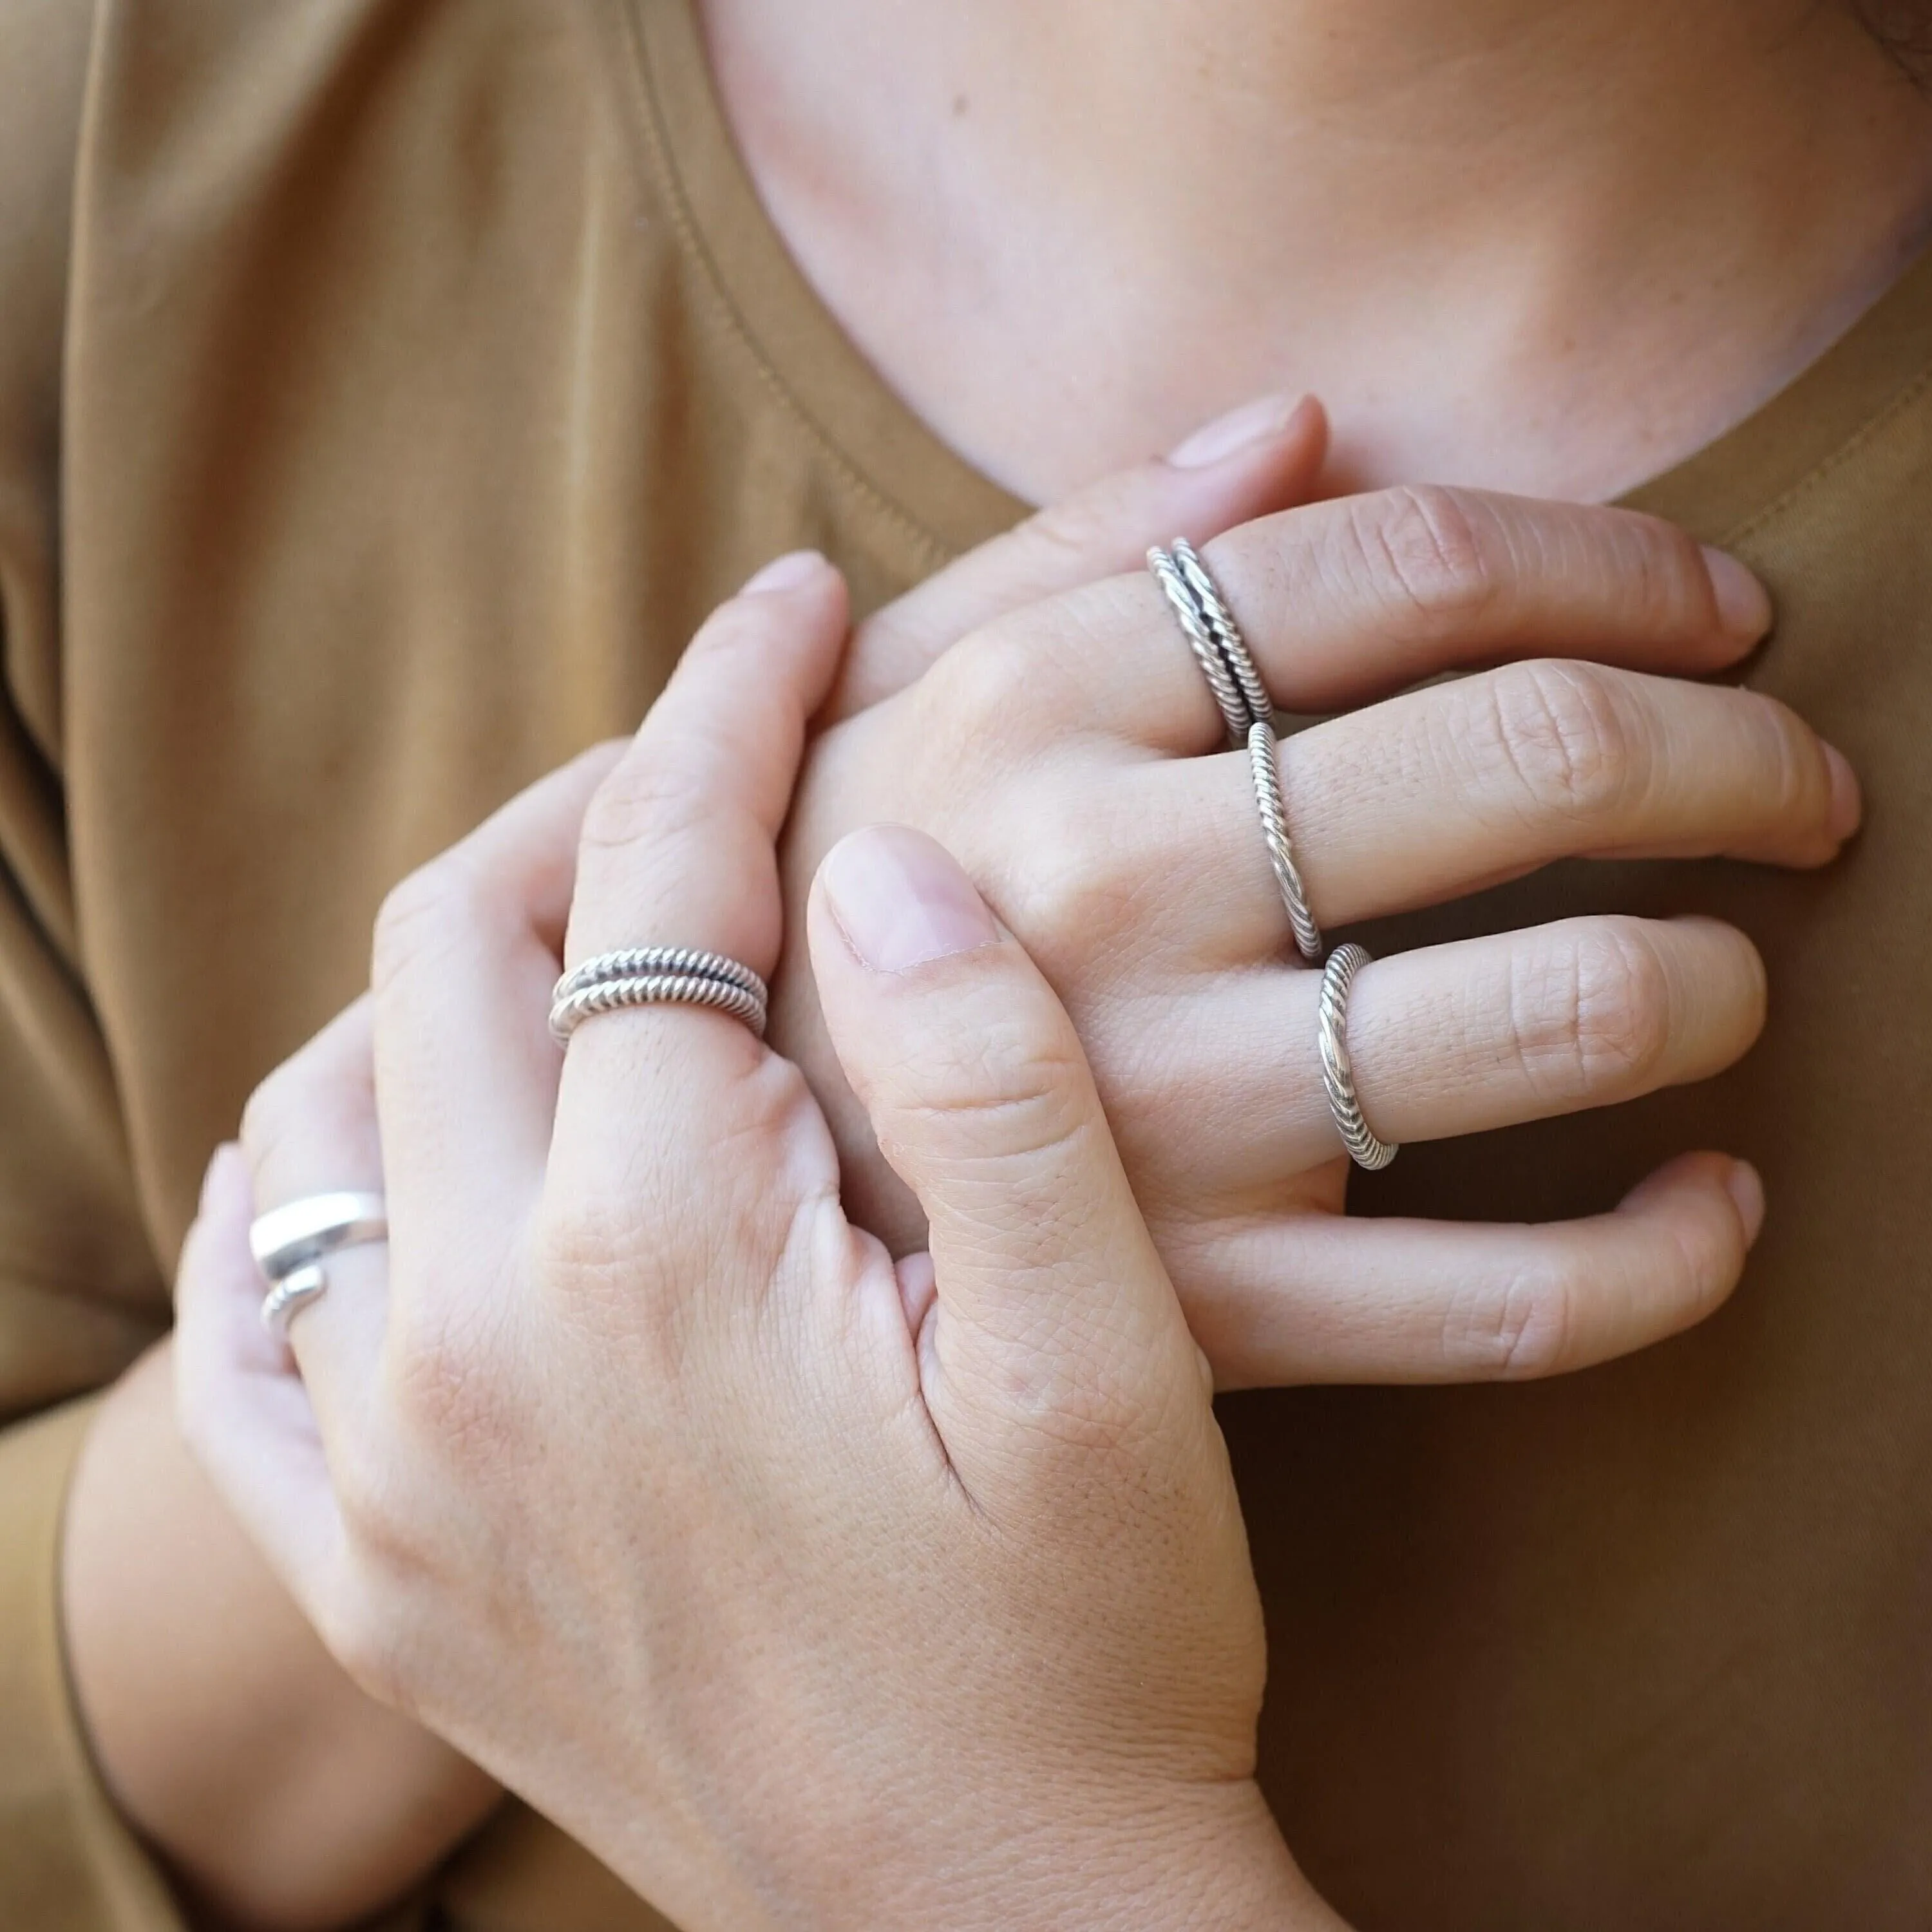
(1067,754)
(804,1589)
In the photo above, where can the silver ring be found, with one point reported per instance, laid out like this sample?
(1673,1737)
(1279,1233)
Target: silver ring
(1338,1074)
(1227,633)
(1199,634)
(289,1237)
(293,1293)
(1263,756)
(646,975)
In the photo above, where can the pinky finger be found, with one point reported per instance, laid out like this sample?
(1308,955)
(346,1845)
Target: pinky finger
(1325,1298)
(241,1408)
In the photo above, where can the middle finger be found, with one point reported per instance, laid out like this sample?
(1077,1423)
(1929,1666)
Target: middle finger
(1446,791)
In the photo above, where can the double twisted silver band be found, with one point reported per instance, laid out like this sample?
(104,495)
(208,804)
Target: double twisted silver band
(649,976)
(1213,637)
(290,1244)
(1338,1073)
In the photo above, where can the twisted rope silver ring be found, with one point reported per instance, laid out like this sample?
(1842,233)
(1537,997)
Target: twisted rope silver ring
(1264,757)
(649,976)
(1225,632)
(1201,641)
(290,1243)
(1338,1074)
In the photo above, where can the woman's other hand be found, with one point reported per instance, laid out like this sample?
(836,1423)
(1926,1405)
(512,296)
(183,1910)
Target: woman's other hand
(277,1793)
(1066,754)
(804,1588)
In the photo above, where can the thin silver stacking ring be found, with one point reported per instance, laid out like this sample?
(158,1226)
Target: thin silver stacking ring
(649,976)
(290,1243)
(1338,1074)
(1226,633)
(1264,755)
(1201,641)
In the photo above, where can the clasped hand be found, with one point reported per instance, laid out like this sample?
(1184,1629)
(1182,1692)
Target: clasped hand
(807,1585)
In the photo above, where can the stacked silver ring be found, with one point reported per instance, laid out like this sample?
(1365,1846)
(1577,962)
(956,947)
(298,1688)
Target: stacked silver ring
(1338,1073)
(646,975)
(1247,709)
(1214,638)
(290,1244)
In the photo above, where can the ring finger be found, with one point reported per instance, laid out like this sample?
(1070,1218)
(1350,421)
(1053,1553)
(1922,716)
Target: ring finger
(310,1128)
(1446,1040)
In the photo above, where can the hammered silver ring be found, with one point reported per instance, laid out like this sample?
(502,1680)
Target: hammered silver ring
(1338,1074)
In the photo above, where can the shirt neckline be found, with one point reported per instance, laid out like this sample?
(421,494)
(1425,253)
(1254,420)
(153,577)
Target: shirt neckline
(1720,493)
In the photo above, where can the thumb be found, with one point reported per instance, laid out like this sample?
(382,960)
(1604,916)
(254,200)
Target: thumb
(1052,1307)
(1264,457)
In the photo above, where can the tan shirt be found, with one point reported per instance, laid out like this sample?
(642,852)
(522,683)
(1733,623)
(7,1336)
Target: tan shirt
(387,388)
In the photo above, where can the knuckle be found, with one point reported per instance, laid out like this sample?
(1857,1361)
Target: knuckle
(418,915)
(1660,571)
(359,1630)
(1595,1006)
(1561,732)
(643,799)
(1519,1329)
(1079,531)
(1063,890)
(970,690)
(1421,549)
(1004,1101)
(273,1110)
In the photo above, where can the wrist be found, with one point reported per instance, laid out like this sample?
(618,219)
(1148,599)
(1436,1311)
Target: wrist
(1206,1858)
(223,1731)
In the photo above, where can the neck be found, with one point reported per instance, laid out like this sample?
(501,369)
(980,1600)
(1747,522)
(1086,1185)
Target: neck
(1549,245)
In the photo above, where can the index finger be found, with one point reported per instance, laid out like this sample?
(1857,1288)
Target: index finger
(1348,600)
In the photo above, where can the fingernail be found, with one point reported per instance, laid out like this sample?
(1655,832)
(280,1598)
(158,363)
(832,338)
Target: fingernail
(1744,605)
(900,899)
(1847,797)
(1238,430)
(784,573)
(1748,1191)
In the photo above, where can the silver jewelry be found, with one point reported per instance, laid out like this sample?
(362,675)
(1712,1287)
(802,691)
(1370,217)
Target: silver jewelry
(1227,633)
(1264,755)
(292,1293)
(646,975)
(1200,636)
(1338,1075)
(290,1243)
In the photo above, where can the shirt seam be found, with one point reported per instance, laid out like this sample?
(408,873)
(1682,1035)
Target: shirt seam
(1827,466)
(736,324)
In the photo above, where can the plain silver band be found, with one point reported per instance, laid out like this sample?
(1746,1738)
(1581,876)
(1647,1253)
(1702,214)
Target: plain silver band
(1338,1075)
(289,1237)
(649,975)
(1264,755)
(290,1295)
(1194,626)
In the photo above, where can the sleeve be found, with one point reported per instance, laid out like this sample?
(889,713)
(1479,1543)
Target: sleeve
(80,1291)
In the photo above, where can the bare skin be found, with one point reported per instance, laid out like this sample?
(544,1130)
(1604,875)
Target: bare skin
(1034,220)
(1065,233)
